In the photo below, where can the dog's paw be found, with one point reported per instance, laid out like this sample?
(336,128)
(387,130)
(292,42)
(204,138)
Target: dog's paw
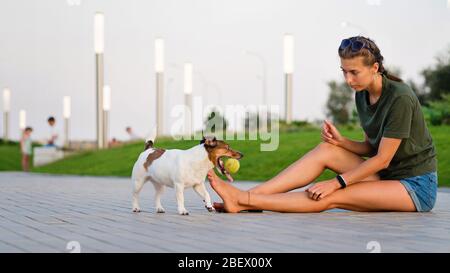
(136,210)
(210,209)
(183,212)
(160,210)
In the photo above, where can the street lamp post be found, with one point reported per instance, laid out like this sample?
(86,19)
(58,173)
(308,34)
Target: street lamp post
(106,110)
(159,69)
(66,115)
(6,109)
(188,70)
(99,22)
(288,70)
(202,80)
(22,120)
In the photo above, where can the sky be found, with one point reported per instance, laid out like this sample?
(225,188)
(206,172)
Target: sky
(47,52)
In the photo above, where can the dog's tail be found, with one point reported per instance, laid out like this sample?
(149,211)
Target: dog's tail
(150,140)
(148,144)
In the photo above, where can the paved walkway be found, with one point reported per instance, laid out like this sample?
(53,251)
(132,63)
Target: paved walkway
(49,213)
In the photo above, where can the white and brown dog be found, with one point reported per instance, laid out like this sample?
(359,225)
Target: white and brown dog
(180,169)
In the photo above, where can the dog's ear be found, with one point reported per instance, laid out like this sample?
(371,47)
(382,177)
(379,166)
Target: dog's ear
(210,141)
(203,140)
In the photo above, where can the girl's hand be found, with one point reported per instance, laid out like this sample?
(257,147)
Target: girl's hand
(330,134)
(322,189)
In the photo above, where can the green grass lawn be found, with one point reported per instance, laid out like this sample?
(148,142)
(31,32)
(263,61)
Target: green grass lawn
(10,157)
(255,166)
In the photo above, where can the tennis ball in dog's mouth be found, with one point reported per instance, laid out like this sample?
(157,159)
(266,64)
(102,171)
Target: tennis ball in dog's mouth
(232,165)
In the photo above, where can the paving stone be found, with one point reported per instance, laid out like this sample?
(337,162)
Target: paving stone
(43,213)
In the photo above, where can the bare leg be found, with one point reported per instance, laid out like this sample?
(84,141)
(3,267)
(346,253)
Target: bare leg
(25,163)
(388,195)
(308,168)
(236,200)
(381,195)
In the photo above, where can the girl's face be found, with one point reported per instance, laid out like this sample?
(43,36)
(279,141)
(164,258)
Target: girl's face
(358,75)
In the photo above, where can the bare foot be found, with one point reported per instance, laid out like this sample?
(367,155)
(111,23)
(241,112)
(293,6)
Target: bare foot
(231,196)
(218,206)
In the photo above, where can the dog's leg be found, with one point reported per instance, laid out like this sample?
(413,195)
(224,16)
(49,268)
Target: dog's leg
(159,189)
(179,189)
(201,190)
(137,187)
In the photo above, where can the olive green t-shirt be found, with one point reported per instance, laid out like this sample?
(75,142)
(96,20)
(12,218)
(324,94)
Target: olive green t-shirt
(398,114)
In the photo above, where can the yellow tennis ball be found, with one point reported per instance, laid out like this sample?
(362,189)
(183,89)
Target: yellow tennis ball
(232,165)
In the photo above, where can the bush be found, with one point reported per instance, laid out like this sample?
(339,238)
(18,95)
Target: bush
(438,112)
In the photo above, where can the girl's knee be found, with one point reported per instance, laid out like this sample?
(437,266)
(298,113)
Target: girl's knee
(328,147)
(325,145)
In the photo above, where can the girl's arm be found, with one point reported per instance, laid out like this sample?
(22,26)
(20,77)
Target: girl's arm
(386,151)
(361,148)
(381,160)
(331,135)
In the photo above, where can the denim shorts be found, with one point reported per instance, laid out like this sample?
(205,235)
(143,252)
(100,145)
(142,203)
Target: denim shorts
(423,190)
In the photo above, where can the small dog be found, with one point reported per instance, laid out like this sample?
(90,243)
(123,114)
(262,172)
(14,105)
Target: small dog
(180,169)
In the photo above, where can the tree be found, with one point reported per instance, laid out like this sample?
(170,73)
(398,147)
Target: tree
(420,92)
(437,79)
(340,102)
(255,121)
(215,122)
